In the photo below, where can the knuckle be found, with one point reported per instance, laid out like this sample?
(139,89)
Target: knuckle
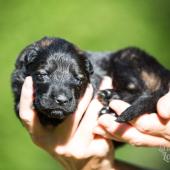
(67,152)
(136,142)
(22,115)
(76,154)
(167,136)
(144,128)
(167,133)
(60,151)
(24,121)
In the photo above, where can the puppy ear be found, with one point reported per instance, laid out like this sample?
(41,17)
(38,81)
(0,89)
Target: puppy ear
(30,54)
(89,67)
(32,50)
(26,56)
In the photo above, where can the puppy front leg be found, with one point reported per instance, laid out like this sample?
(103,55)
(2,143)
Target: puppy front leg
(140,103)
(105,97)
(144,104)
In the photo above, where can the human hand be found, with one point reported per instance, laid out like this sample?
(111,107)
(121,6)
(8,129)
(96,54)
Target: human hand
(72,142)
(151,130)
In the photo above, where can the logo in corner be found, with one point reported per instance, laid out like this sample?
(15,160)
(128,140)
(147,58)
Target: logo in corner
(165,153)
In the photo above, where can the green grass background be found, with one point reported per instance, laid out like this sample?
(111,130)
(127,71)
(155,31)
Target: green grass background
(92,25)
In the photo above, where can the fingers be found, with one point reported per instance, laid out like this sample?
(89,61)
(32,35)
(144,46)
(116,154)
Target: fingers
(26,113)
(82,106)
(150,124)
(113,128)
(26,101)
(69,140)
(119,106)
(126,133)
(106,147)
(103,125)
(144,122)
(83,137)
(69,126)
(95,106)
(163,106)
(143,128)
(89,120)
(99,130)
(106,83)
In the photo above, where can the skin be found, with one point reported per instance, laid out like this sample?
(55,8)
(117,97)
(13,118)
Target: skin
(74,143)
(152,130)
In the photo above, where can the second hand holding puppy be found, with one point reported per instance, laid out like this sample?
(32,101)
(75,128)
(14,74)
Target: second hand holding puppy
(147,130)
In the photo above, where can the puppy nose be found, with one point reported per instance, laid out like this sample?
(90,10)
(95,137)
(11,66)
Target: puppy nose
(62,99)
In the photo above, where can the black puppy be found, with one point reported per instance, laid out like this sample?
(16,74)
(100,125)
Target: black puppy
(61,72)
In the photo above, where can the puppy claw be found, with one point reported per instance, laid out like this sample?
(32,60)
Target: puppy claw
(104,96)
(107,110)
(124,118)
(101,95)
(120,119)
(104,110)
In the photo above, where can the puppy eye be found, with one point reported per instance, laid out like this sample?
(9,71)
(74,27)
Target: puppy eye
(79,78)
(41,76)
(131,87)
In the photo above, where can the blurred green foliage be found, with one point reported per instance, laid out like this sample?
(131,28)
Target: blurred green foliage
(93,25)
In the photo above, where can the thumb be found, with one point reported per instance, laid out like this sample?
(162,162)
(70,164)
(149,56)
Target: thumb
(26,113)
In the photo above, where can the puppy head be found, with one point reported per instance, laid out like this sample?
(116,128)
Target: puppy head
(60,75)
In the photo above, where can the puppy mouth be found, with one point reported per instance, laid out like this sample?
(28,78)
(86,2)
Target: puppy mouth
(57,114)
(54,112)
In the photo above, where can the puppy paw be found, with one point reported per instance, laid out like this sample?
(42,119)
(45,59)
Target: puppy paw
(106,110)
(105,96)
(121,119)
(129,114)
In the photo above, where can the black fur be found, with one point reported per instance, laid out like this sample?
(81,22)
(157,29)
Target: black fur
(60,75)
(61,72)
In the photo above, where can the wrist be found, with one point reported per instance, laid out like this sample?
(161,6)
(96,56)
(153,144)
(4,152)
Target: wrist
(97,163)
(94,163)
(72,163)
